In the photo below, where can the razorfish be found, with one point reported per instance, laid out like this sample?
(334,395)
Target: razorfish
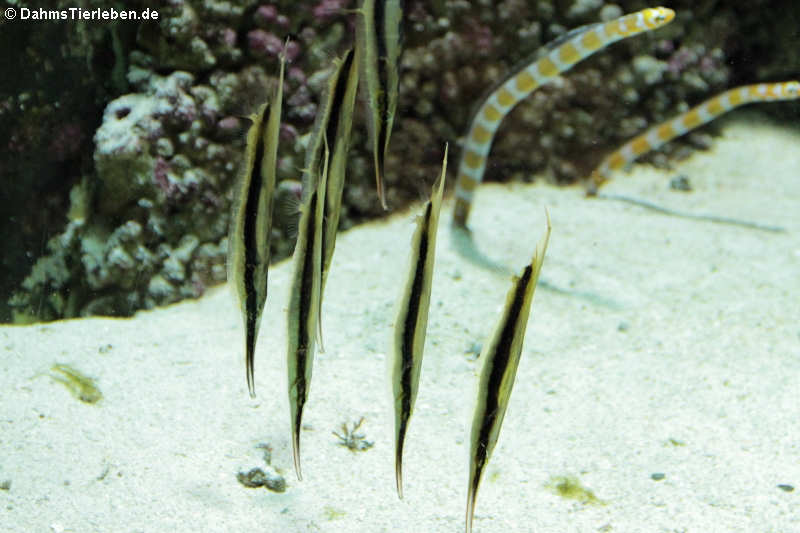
(332,129)
(697,116)
(412,321)
(304,304)
(251,221)
(379,43)
(553,59)
(500,360)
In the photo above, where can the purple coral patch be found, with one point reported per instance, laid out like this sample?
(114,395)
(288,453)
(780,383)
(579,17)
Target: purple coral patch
(160,177)
(328,8)
(264,43)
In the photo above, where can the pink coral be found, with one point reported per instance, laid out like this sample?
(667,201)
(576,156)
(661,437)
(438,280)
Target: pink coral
(296,75)
(288,132)
(228,126)
(481,37)
(328,8)
(228,37)
(264,43)
(266,14)
(292,50)
(160,171)
(66,141)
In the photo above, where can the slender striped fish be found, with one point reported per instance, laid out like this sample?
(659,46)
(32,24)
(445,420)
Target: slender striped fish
(553,59)
(411,323)
(251,221)
(338,138)
(379,43)
(500,359)
(332,129)
(695,117)
(304,306)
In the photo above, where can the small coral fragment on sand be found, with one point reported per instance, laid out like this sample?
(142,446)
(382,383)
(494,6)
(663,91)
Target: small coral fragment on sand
(355,442)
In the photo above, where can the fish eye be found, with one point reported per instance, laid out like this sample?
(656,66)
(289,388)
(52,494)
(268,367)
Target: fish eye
(662,15)
(656,16)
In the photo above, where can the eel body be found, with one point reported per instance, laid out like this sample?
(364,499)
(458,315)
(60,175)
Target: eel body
(555,58)
(695,117)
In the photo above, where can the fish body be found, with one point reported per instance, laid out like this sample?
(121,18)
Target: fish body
(379,43)
(251,224)
(412,321)
(500,360)
(331,135)
(555,58)
(338,138)
(685,122)
(303,311)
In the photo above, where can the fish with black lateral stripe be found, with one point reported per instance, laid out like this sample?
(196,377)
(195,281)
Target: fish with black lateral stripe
(304,306)
(500,360)
(379,44)
(251,221)
(411,323)
(332,128)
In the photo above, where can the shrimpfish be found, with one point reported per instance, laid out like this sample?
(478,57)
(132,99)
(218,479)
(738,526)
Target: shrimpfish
(500,360)
(412,321)
(303,309)
(379,43)
(251,221)
(332,129)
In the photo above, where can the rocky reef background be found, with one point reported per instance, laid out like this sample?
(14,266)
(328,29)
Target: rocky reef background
(121,140)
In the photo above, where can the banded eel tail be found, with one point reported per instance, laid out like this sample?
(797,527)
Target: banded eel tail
(680,125)
(555,58)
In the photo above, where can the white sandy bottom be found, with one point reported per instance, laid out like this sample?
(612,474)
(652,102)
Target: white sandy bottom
(675,349)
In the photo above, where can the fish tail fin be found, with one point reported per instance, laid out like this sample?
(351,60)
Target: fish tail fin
(296,452)
(319,327)
(398,467)
(379,184)
(472,494)
(250,360)
(251,384)
(322,190)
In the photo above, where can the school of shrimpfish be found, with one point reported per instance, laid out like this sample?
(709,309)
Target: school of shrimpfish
(372,66)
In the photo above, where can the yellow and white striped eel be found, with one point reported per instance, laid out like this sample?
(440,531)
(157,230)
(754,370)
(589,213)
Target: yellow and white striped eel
(558,57)
(697,116)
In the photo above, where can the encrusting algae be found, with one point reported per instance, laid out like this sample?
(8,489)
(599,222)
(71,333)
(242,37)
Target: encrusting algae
(570,488)
(80,385)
